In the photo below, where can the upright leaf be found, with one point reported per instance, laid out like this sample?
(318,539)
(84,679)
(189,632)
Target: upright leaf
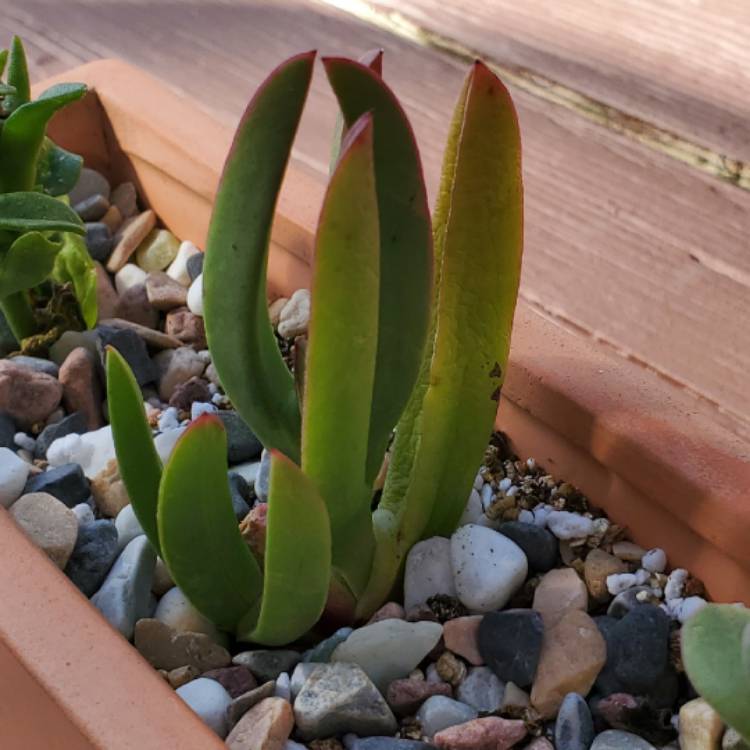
(138,462)
(26,263)
(478,244)
(18,77)
(239,331)
(28,211)
(341,351)
(3,61)
(73,264)
(200,540)
(713,641)
(405,246)
(297,564)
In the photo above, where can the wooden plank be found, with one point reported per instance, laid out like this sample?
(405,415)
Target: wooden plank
(623,243)
(683,66)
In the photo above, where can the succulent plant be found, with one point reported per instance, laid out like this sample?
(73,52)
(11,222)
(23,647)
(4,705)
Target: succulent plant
(410,330)
(716,654)
(39,234)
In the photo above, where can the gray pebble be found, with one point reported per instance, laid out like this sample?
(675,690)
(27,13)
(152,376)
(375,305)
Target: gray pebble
(261,481)
(7,431)
(38,364)
(324,650)
(99,241)
(482,690)
(195,266)
(67,483)
(266,664)
(93,555)
(242,445)
(240,492)
(439,712)
(615,739)
(574,727)
(89,183)
(132,347)
(92,208)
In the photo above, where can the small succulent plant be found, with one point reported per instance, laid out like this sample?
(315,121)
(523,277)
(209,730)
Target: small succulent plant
(410,330)
(40,235)
(716,654)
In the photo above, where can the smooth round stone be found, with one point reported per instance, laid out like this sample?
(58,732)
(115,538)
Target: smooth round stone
(428,572)
(13,474)
(295,316)
(28,396)
(263,476)
(283,687)
(38,364)
(242,445)
(629,599)
(67,483)
(99,241)
(129,276)
(510,643)
(439,712)
(654,561)
(488,568)
(614,739)
(90,182)
(84,514)
(387,743)
(194,266)
(239,492)
(175,610)
(481,689)
(128,526)
(566,525)
(574,726)
(209,700)
(178,267)
(157,251)
(619,582)
(95,551)
(540,547)
(195,296)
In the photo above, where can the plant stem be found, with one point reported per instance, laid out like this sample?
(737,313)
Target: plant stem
(19,314)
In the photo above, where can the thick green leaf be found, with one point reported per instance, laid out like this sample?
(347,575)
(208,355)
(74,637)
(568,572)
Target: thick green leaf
(5,89)
(27,262)
(405,246)
(28,211)
(239,331)
(478,244)
(139,463)
(18,77)
(297,565)
(74,264)
(714,643)
(22,135)
(341,351)
(3,61)
(200,540)
(57,170)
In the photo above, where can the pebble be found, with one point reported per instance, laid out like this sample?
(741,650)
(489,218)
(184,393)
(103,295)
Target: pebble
(24,441)
(407,695)
(541,514)
(91,451)
(178,267)
(163,292)
(574,726)
(166,441)
(482,690)
(90,182)
(474,511)
(92,208)
(732,740)
(264,472)
(630,599)
(283,687)
(540,743)
(210,701)
(195,296)
(323,651)
(187,394)
(128,277)
(157,250)
(94,552)
(236,680)
(688,607)
(628,551)
(514,698)
(266,726)
(73,423)
(133,349)
(82,391)
(489,733)
(573,653)
(175,367)
(113,218)
(449,668)
(461,636)
(565,525)
(675,584)
(181,676)
(597,569)
(109,491)
(243,703)
(655,561)
(511,643)
(616,739)
(178,613)
(275,308)
(99,240)
(242,445)
(124,596)
(7,431)
(166,648)
(128,526)
(51,525)
(13,474)
(124,197)
(388,649)
(134,306)
(301,672)
(162,579)
(701,728)
(539,546)
(439,713)
(267,665)
(186,327)
(295,316)
(428,572)
(339,698)
(129,236)
(27,396)
(385,743)
(195,265)
(619,582)
(37,364)
(488,568)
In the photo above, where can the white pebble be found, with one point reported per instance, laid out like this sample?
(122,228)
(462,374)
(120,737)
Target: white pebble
(655,560)
(22,440)
(178,267)
(166,441)
(478,482)
(128,527)
(201,407)
(14,472)
(129,276)
(92,450)
(295,315)
(169,419)
(176,611)
(541,514)
(84,514)
(642,577)
(473,512)
(195,296)
(689,607)
(620,582)
(283,687)
(505,484)
(526,516)
(487,496)
(513,491)
(675,584)
(209,700)
(565,525)
(428,571)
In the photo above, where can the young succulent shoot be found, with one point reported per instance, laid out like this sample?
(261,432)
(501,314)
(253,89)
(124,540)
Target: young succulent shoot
(401,337)
(716,655)
(39,234)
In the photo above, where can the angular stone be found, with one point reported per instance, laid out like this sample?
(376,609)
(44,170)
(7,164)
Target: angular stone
(598,566)
(92,208)
(157,250)
(637,715)
(266,726)
(295,316)
(574,727)
(48,523)
(134,306)
(388,649)
(155,339)
(510,643)
(124,597)
(489,733)
(27,396)
(92,450)
(90,182)
(192,391)
(573,653)
(109,491)
(112,219)
(322,652)
(242,445)
(210,701)
(13,474)
(178,267)
(166,648)
(94,552)
(701,728)
(540,547)
(177,366)
(164,293)
(133,349)
(181,676)
(558,593)
(439,713)
(99,241)
(194,266)
(195,296)
(73,423)
(461,636)
(514,698)
(406,696)
(428,572)
(125,198)
(615,739)
(187,327)
(482,690)
(243,703)
(236,680)
(67,483)
(129,236)
(82,390)
(565,525)
(267,665)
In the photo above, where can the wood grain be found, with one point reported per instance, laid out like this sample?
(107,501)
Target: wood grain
(683,65)
(623,244)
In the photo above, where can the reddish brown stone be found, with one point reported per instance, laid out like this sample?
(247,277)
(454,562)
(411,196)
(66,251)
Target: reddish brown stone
(406,696)
(235,680)
(266,726)
(187,327)
(28,396)
(461,638)
(489,733)
(389,611)
(82,390)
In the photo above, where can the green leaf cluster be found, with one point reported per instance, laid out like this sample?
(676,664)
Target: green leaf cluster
(409,331)
(37,230)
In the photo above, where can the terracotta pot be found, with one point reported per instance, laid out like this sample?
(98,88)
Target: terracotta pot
(636,444)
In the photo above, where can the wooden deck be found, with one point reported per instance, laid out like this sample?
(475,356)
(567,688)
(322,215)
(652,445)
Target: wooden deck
(635,117)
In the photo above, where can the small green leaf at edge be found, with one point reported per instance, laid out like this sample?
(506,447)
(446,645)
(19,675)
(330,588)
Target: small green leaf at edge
(297,568)
(341,352)
(200,540)
(37,212)
(139,463)
(18,76)
(74,264)
(711,650)
(27,262)
(57,170)
(240,336)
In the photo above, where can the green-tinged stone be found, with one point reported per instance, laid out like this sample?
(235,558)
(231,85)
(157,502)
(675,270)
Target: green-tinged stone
(157,251)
